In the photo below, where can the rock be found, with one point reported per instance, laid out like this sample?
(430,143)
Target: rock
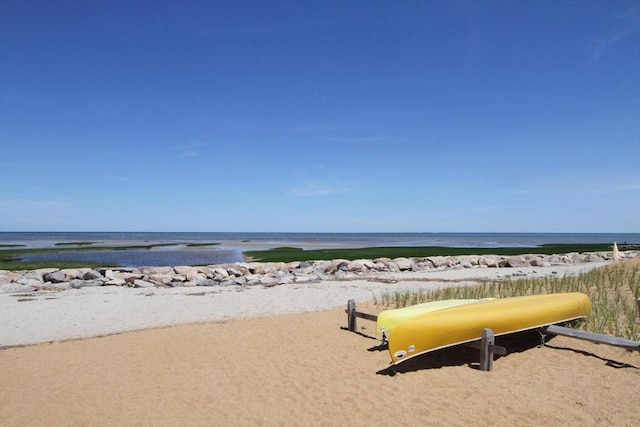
(262,269)
(49,286)
(30,281)
(359,265)
(517,262)
(56,277)
(73,273)
(403,264)
(161,279)
(11,288)
(380,266)
(127,277)
(283,280)
(320,275)
(221,272)
(489,261)
(203,281)
(186,270)
(143,284)
(302,279)
(392,267)
(9,276)
(254,280)
(234,272)
(593,258)
(91,275)
(439,261)
(33,276)
(156,270)
(465,263)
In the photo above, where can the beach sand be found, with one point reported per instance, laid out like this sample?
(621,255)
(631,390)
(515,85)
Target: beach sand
(306,369)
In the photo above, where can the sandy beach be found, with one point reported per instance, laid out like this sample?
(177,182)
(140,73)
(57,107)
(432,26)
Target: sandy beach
(282,356)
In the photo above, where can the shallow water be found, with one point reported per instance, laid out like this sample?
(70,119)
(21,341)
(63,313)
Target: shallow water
(231,245)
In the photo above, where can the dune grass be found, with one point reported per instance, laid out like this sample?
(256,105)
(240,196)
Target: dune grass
(613,291)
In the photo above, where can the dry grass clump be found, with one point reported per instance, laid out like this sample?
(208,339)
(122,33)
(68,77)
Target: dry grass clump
(613,290)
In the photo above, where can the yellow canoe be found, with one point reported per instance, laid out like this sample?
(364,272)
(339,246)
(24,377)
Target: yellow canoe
(457,325)
(388,319)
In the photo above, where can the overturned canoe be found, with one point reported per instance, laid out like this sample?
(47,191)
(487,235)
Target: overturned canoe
(444,328)
(388,319)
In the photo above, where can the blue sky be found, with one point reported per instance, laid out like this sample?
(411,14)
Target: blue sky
(337,116)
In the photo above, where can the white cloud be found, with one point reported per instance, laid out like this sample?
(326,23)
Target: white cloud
(189,150)
(628,24)
(314,190)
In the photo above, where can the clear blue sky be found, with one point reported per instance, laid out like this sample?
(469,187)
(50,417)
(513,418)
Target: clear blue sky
(337,116)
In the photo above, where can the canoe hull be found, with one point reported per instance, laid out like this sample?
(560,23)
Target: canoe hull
(457,325)
(388,319)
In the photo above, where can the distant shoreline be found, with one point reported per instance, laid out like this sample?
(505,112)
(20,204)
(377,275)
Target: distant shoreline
(41,250)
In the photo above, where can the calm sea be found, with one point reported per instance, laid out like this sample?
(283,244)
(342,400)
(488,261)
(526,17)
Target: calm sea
(231,245)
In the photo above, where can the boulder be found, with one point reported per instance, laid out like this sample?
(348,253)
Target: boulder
(56,277)
(203,281)
(156,270)
(91,275)
(517,262)
(138,283)
(403,264)
(115,282)
(359,265)
(7,276)
(440,261)
(10,288)
(161,279)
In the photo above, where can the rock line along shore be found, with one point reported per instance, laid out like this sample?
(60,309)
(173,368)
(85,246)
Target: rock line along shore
(272,274)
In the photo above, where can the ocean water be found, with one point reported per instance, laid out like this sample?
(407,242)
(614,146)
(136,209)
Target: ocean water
(231,245)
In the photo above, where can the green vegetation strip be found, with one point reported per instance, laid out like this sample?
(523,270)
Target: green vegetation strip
(613,291)
(286,254)
(75,243)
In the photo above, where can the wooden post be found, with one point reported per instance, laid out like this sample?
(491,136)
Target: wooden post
(488,348)
(486,358)
(638,301)
(351,315)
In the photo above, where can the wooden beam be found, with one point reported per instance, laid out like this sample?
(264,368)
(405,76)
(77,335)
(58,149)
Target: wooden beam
(366,316)
(590,336)
(352,314)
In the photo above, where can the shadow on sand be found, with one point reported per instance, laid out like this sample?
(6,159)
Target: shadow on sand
(608,362)
(464,355)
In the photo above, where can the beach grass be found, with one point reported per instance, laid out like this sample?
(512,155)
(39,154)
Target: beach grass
(613,291)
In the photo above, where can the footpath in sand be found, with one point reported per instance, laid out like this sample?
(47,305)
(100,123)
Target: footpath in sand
(296,369)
